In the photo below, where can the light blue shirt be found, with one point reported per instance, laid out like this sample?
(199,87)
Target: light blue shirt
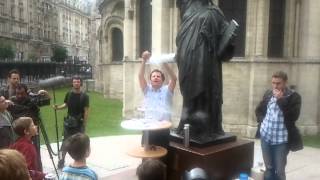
(78,173)
(157,103)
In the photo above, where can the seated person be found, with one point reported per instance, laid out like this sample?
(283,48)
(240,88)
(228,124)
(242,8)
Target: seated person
(13,165)
(157,99)
(151,169)
(25,129)
(78,147)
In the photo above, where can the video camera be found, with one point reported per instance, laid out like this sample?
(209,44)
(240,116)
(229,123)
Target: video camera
(40,99)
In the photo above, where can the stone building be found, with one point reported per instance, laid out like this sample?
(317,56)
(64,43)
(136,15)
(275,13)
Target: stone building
(74,22)
(34,26)
(274,35)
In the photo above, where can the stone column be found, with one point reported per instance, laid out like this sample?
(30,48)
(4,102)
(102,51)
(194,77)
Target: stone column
(309,47)
(257,28)
(309,34)
(130,37)
(256,45)
(129,30)
(160,26)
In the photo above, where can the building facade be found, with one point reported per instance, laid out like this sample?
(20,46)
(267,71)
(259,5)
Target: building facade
(33,27)
(74,22)
(274,35)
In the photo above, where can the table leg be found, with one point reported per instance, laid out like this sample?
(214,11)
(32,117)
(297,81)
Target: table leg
(146,140)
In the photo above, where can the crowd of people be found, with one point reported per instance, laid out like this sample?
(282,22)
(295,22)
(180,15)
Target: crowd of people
(19,119)
(19,131)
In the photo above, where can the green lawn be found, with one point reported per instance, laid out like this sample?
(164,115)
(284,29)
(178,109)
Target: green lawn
(105,116)
(313,141)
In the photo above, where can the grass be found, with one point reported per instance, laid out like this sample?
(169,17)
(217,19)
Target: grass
(312,141)
(105,116)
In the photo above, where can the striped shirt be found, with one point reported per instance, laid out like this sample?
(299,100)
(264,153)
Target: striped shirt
(273,129)
(78,173)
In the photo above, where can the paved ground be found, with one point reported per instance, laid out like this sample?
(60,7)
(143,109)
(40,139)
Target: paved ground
(109,159)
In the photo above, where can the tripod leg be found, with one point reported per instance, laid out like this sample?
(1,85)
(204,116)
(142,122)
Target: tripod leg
(46,140)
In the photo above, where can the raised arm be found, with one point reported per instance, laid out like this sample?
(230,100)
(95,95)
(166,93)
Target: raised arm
(172,75)
(143,83)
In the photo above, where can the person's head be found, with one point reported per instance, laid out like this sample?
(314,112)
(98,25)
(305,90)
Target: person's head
(21,92)
(195,174)
(157,78)
(279,80)
(78,146)
(13,165)
(13,77)
(76,82)
(3,104)
(24,126)
(151,169)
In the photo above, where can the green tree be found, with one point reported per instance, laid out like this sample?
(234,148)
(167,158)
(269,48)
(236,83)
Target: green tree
(6,51)
(60,54)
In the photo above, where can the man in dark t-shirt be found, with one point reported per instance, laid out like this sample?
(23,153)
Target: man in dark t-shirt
(77,103)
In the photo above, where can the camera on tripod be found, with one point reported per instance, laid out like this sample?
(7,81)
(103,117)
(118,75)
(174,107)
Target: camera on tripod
(40,99)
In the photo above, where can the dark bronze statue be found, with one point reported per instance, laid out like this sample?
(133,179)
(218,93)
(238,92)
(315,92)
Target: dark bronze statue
(203,25)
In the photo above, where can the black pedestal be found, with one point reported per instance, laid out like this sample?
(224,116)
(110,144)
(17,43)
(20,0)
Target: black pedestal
(221,162)
(227,137)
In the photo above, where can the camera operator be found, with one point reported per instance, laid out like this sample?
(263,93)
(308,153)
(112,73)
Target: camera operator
(13,79)
(77,103)
(23,105)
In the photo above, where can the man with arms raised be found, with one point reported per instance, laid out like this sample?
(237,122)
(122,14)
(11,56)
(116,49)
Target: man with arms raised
(157,98)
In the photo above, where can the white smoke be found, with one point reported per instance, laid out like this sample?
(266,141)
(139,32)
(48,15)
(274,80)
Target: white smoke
(164,58)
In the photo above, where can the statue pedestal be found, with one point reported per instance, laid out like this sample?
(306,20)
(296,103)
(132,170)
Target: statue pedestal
(219,139)
(222,161)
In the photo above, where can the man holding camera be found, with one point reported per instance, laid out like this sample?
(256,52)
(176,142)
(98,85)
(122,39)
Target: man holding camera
(77,103)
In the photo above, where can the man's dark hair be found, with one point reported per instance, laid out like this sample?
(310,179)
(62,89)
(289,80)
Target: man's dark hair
(280,74)
(22,86)
(78,145)
(151,169)
(76,77)
(13,71)
(157,70)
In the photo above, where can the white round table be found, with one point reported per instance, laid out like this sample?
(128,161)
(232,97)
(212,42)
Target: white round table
(146,125)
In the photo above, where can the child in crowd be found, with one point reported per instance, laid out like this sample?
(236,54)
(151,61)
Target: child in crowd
(13,166)
(78,147)
(25,129)
(151,169)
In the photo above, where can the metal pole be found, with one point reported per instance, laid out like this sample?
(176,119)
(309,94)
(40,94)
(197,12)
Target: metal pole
(56,122)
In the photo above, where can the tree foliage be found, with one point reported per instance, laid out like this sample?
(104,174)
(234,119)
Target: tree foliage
(6,51)
(60,54)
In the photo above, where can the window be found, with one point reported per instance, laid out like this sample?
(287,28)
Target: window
(236,9)
(145,20)
(276,28)
(117,44)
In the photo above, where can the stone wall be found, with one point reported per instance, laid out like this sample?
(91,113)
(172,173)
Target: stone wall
(112,78)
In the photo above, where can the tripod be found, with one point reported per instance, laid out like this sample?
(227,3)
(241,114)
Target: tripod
(47,142)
